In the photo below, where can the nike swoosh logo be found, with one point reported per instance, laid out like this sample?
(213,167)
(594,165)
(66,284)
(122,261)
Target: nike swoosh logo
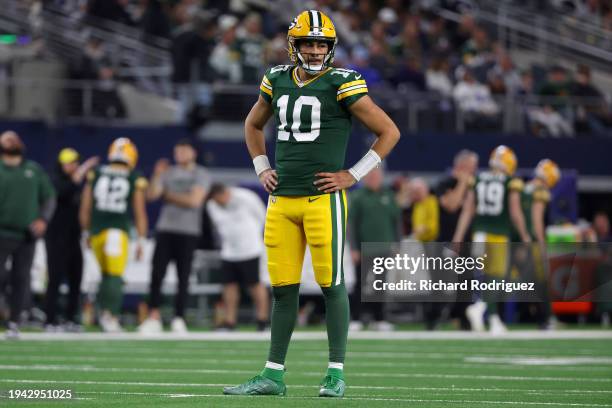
(310,200)
(358,76)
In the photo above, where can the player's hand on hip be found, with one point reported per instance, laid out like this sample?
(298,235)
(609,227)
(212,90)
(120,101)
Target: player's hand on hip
(331,182)
(269,179)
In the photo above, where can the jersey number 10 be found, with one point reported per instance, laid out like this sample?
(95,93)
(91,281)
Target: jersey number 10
(315,118)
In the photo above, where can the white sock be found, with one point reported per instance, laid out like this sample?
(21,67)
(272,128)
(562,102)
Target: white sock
(274,366)
(339,366)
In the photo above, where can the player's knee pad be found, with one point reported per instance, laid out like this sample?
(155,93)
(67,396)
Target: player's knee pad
(323,274)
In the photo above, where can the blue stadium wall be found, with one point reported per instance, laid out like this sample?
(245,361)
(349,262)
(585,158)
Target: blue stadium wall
(415,152)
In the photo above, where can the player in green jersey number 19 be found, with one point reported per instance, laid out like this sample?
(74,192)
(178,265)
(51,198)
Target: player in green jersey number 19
(313,104)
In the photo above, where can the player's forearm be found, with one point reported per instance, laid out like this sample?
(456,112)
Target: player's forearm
(142,224)
(386,141)
(155,189)
(255,141)
(452,200)
(187,200)
(516,215)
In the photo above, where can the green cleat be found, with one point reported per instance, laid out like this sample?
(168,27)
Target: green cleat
(258,385)
(332,387)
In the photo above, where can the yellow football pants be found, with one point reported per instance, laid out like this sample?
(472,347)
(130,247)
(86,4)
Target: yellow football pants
(496,248)
(293,222)
(111,250)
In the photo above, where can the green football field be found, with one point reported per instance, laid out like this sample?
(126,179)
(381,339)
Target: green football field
(419,370)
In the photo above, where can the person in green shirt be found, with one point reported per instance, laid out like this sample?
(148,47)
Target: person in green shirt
(27,203)
(374,217)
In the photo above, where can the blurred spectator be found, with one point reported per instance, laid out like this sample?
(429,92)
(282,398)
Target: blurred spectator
(475,101)
(436,36)
(496,83)
(437,77)
(551,118)
(63,239)
(250,49)
(425,211)
(463,31)
(105,100)
(451,192)
(191,48)
(555,91)
(505,69)
(477,50)
(601,226)
(111,10)
(182,188)
(361,64)
(91,59)
(592,114)
(526,85)
(155,20)
(409,73)
(374,217)
(410,43)
(223,58)
(238,215)
(401,187)
(24,215)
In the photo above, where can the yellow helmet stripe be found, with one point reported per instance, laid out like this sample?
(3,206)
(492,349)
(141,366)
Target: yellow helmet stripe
(352,83)
(314,19)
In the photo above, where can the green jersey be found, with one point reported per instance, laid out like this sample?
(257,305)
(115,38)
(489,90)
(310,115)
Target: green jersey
(313,123)
(23,189)
(531,193)
(113,189)
(491,194)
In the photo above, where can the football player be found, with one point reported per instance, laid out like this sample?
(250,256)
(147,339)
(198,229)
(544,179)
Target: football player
(313,104)
(494,206)
(534,200)
(111,193)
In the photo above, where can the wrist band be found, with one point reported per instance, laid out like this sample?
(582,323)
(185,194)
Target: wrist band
(368,162)
(261,164)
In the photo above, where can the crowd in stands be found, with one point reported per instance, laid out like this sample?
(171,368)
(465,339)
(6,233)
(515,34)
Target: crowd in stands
(398,44)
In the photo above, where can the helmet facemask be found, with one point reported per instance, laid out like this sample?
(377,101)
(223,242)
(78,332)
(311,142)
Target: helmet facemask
(303,60)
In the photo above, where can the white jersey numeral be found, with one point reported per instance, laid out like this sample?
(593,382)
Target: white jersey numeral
(315,118)
(111,194)
(490,198)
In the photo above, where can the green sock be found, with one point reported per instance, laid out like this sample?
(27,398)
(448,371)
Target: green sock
(110,293)
(276,375)
(337,320)
(284,316)
(335,372)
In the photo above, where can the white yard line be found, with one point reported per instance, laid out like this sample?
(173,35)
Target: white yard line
(89,368)
(321,335)
(349,398)
(314,386)
(479,362)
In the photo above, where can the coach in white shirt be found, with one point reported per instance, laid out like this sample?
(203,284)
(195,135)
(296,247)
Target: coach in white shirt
(238,215)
